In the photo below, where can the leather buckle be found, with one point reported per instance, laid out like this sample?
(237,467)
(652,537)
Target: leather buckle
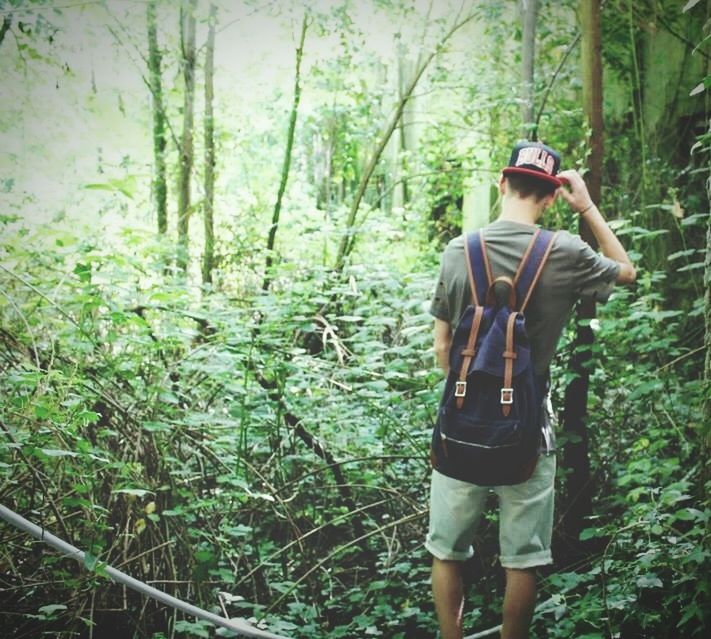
(460,389)
(507,395)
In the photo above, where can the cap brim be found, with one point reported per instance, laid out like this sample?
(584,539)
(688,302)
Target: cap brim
(519,170)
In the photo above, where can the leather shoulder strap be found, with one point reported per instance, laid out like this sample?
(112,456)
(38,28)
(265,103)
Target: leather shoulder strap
(532,264)
(478,268)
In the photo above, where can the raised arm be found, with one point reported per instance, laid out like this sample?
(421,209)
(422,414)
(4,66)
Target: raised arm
(581,202)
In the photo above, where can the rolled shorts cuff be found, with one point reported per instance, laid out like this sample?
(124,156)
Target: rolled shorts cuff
(448,554)
(531,560)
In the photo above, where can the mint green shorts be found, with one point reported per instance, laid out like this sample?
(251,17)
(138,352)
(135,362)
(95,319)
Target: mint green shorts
(525,517)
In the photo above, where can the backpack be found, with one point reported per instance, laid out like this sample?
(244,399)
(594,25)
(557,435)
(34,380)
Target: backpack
(488,428)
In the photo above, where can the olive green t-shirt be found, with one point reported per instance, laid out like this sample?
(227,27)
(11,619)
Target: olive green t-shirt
(573,271)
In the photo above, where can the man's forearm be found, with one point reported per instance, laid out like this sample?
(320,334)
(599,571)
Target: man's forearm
(442,342)
(442,356)
(609,244)
(579,199)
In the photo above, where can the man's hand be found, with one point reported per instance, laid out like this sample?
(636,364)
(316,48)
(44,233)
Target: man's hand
(578,196)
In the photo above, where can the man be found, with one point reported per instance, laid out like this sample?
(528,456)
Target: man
(528,186)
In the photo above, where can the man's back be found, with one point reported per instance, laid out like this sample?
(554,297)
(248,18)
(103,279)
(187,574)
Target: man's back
(573,270)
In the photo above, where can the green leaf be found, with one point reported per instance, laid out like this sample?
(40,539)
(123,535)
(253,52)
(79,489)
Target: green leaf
(690,514)
(90,561)
(50,609)
(126,186)
(53,452)
(83,271)
(589,533)
(649,581)
(697,89)
(690,5)
(698,219)
(135,492)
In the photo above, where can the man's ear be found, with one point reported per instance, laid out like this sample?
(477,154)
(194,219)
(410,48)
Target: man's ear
(502,184)
(549,200)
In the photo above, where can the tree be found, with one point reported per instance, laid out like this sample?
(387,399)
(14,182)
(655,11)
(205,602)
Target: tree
(160,188)
(706,407)
(209,135)
(529,9)
(576,459)
(187,47)
(706,432)
(287,157)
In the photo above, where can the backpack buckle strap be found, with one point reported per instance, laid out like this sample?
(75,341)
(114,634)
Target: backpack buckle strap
(509,355)
(468,353)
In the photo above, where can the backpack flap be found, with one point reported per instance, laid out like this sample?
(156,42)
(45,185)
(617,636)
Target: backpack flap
(489,358)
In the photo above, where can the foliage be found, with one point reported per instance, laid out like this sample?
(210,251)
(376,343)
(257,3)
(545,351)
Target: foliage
(264,452)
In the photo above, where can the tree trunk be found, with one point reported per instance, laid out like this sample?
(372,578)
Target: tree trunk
(187,46)
(404,146)
(706,408)
(348,239)
(529,10)
(575,455)
(160,187)
(706,423)
(287,158)
(209,132)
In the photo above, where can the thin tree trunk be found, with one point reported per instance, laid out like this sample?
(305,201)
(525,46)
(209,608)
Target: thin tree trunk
(575,456)
(160,186)
(706,432)
(706,408)
(187,45)
(348,239)
(403,129)
(287,158)
(529,10)
(209,132)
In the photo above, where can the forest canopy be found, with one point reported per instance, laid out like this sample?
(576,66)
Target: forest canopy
(220,229)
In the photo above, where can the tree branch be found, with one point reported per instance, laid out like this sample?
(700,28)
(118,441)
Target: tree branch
(554,77)
(348,240)
(287,156)
(5,27)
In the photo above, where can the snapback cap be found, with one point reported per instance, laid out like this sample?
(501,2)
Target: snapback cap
(534,159)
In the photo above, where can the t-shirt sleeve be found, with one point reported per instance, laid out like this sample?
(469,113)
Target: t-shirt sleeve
(439,305)
(595,274)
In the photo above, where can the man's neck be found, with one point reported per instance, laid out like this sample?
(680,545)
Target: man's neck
(516,209)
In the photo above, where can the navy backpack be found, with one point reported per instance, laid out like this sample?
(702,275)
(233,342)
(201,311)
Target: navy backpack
(488,429)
